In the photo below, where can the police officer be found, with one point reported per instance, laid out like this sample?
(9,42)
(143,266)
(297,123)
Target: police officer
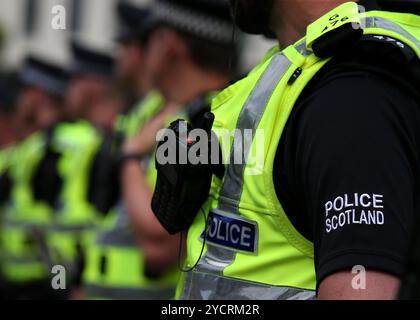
(40,99)
(143,101)
(337,192)
(187,58)
(8,135)
(25,265)
(115,266)
(91,83)
(65,167)
(8,94)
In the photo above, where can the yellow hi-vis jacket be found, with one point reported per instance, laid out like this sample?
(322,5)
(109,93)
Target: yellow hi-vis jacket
(252,249)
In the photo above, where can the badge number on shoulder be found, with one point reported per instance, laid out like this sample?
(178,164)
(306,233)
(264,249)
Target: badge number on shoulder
(232,232)
(343,14)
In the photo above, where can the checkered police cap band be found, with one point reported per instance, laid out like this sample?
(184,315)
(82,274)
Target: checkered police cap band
(34,77)
(51,78)
(192,21)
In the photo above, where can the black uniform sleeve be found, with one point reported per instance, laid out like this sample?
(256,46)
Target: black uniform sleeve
(352,152)
(46,181)
(103,187)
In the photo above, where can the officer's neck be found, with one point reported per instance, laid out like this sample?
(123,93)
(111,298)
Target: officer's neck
(291,18)
(192,83)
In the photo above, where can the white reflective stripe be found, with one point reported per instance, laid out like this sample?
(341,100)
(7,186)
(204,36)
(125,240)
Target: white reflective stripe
(121,234)
(13,260)
(21,224)
(55,228)
(204,286)
(117,238)
(94,291)
(216,258)
(72,228)
(378,22)
(249,118)
(302,49)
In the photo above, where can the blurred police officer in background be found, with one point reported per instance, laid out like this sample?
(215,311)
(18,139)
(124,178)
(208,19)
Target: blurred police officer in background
(187,58)
(24,266)
(115,266)
(55,197)
(49,208)
(91,85)
(9,86)
(72,149)
(338,189)
(8,138)
(142,102)
(40,101)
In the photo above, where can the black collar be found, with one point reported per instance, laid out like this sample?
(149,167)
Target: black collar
(403,6)
(370,4)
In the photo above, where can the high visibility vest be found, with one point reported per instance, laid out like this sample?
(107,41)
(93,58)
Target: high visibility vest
(130,123)
(252,250)
(75,219)
(6,155)
(115,267)
(25,219)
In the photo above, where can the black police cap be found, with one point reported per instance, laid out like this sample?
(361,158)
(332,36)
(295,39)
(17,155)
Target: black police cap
(9,89)
(47,76)
(208,19)
(132,19)
(88,61)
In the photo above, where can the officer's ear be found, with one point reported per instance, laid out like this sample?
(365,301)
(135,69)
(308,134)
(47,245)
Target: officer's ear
(158,45)
(172,45)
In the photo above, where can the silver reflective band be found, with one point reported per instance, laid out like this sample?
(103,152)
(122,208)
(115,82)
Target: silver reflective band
(249,118)
(206,286)
(217,259)
(121,293)
(72,228)
(372,22)
(21,224)
(55,228)
(190,20)
(302,49)
(21,260)
(120,234)
(117,238)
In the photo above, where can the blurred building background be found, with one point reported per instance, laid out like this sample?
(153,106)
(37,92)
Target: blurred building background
(26,28)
